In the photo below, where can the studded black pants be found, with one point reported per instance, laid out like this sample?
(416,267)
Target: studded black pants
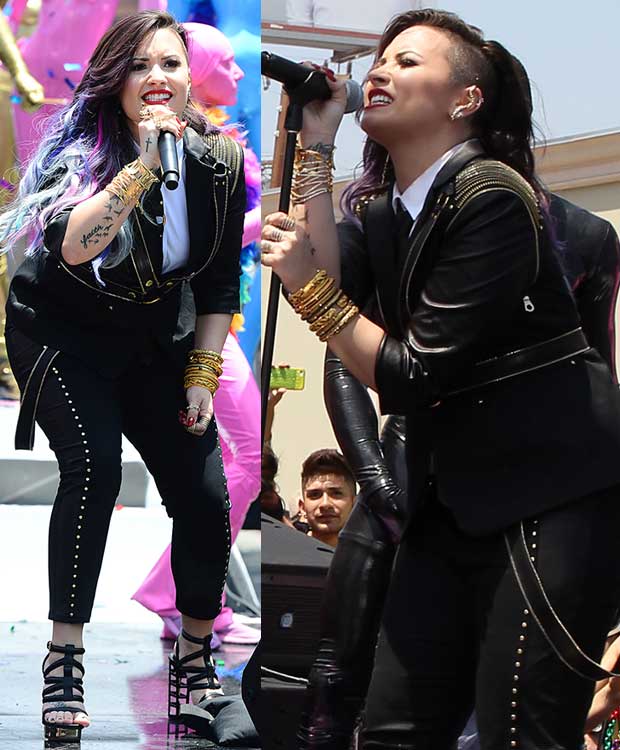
(84,415)
(456,635)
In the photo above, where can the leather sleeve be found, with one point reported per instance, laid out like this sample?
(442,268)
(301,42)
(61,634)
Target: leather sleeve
(356,276)
(482,269)
(216,289)
(597,299)
(355,424)
(56,228)
(54,232)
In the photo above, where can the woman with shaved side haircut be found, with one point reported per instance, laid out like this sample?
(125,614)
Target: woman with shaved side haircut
(506,580)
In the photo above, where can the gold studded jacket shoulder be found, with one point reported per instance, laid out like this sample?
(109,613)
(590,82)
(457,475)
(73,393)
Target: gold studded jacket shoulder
(483,353)
(68,307)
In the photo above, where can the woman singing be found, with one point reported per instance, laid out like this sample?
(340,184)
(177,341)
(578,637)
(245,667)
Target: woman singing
(506,580)
(99,349)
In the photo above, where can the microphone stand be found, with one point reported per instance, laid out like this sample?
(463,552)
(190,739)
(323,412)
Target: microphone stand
(299,96)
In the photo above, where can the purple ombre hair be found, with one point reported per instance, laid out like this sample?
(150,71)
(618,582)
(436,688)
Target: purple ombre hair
(85,144)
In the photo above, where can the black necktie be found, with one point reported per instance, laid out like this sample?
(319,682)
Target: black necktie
(402,226)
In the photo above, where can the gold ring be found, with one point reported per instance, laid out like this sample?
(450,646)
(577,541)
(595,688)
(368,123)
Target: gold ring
(145,113)
(277,235)
(265,245)
(204,419)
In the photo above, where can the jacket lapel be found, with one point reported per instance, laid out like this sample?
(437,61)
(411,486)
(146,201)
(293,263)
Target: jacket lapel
(411,270)
(199,192)
(379,222)
(393,274)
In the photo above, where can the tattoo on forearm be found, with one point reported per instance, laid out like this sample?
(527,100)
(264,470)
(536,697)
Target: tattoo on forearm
(112,207)
(97,233)
(147,143)
(325,149)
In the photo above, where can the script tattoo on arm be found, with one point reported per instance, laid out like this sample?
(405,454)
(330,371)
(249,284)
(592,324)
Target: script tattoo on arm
(97,233)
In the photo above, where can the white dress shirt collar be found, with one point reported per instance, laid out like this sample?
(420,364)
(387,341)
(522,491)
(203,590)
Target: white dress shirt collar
(414,197)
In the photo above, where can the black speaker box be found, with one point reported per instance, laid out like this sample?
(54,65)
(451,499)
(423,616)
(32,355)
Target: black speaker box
(280,705)
(294,568)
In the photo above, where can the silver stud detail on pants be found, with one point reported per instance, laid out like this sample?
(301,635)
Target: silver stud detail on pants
(80,518)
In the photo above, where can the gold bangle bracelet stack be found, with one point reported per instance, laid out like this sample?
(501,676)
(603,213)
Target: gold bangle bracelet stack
(203,369)
(312,175)
(323,305)
(131,182)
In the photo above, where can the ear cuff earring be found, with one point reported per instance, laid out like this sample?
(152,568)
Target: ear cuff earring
(474,101)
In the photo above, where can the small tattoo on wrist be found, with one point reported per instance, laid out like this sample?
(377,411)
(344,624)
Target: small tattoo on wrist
(325,149)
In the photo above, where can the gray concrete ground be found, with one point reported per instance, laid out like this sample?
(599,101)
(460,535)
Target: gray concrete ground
(126,687)
(126,662)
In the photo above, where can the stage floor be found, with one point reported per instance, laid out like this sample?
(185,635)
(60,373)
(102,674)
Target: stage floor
(125,686)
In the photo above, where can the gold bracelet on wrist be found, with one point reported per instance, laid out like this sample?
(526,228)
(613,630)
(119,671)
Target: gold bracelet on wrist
(323,296)
(131,182)
(312,175)
(326,307)
(203,356)
(305,291)
(348,314)
(208,381)
(203,369)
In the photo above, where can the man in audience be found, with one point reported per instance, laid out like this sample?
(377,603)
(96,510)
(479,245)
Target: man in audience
(328,494)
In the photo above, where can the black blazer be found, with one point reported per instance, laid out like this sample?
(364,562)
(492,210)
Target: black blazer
(108,323)
(589,251)
(481,280)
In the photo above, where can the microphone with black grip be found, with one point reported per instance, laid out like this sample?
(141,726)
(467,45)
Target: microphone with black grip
(167,145)
(292,75)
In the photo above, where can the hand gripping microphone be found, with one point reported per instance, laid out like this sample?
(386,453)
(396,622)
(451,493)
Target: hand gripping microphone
(294,75)
(167,145)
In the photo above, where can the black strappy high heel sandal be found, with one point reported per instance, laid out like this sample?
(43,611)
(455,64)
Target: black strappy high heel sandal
(183,678)
(65,688)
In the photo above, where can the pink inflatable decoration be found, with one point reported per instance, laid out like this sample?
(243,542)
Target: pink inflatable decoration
(56,54)
(153,5)
(215,73)
(237,402)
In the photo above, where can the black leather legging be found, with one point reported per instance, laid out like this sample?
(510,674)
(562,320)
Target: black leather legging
(84,416)
(456,634)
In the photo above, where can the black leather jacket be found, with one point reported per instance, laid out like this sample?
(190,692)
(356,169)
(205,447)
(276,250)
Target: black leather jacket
(481,293)
(107,324)
(590,255)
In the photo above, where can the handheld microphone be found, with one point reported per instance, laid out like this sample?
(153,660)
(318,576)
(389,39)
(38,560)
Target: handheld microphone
(292,75)
(167,145)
